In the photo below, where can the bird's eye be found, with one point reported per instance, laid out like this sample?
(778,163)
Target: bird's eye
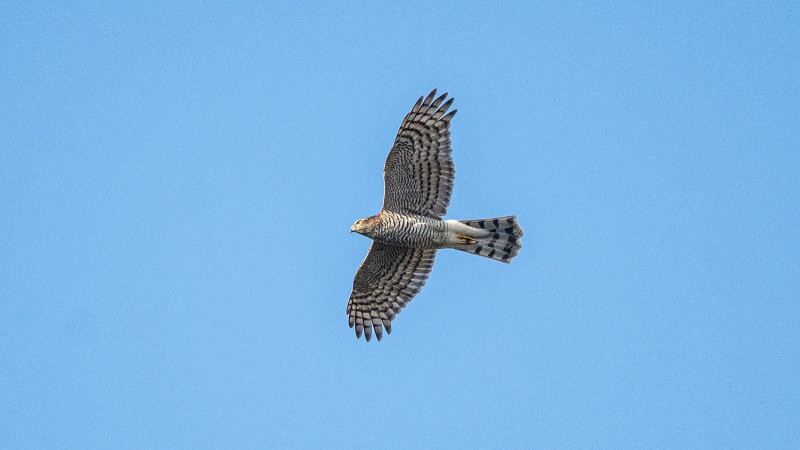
(359,222)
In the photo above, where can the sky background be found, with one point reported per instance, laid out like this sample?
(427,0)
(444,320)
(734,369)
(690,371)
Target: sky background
(177,184)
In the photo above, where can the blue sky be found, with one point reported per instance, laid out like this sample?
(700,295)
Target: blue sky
(177,184)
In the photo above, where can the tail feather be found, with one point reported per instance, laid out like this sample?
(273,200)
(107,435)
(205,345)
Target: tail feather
(501,244)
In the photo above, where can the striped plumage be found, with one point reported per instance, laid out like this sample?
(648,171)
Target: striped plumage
(418,174)
(418,182)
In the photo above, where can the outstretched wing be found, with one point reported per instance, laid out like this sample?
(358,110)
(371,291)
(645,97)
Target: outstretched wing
(419,172)
(387,280)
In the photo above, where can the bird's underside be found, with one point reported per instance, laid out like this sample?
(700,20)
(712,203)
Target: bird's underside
(418,183)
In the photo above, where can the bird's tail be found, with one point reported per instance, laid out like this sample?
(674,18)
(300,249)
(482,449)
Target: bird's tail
(499,238)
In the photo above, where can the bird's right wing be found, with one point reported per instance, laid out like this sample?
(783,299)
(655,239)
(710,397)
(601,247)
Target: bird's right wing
(386,281)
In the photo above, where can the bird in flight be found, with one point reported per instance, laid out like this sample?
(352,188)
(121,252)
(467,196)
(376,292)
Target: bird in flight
(407,232)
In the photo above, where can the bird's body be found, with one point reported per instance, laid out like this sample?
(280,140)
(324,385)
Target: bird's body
(409,229)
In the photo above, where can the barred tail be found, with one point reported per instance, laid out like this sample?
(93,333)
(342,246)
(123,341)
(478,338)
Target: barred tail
(501,243)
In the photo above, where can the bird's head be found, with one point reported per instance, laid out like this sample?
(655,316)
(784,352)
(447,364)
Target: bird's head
(364,226)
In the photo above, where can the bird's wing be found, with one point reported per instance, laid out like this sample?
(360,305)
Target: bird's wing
(386,281)
(419,172)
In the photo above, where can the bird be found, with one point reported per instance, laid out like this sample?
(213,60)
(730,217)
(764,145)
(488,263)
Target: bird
(409,229)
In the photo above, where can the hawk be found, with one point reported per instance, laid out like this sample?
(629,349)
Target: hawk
(418,181)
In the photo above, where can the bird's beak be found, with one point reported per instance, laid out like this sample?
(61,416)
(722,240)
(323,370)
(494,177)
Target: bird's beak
(351,228)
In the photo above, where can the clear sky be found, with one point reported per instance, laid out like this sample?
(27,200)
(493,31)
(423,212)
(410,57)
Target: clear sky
(177,184)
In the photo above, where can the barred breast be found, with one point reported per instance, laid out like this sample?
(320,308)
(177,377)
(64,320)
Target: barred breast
(409,230)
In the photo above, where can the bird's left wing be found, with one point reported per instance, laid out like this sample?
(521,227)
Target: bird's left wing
(386,281)
(419,172)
